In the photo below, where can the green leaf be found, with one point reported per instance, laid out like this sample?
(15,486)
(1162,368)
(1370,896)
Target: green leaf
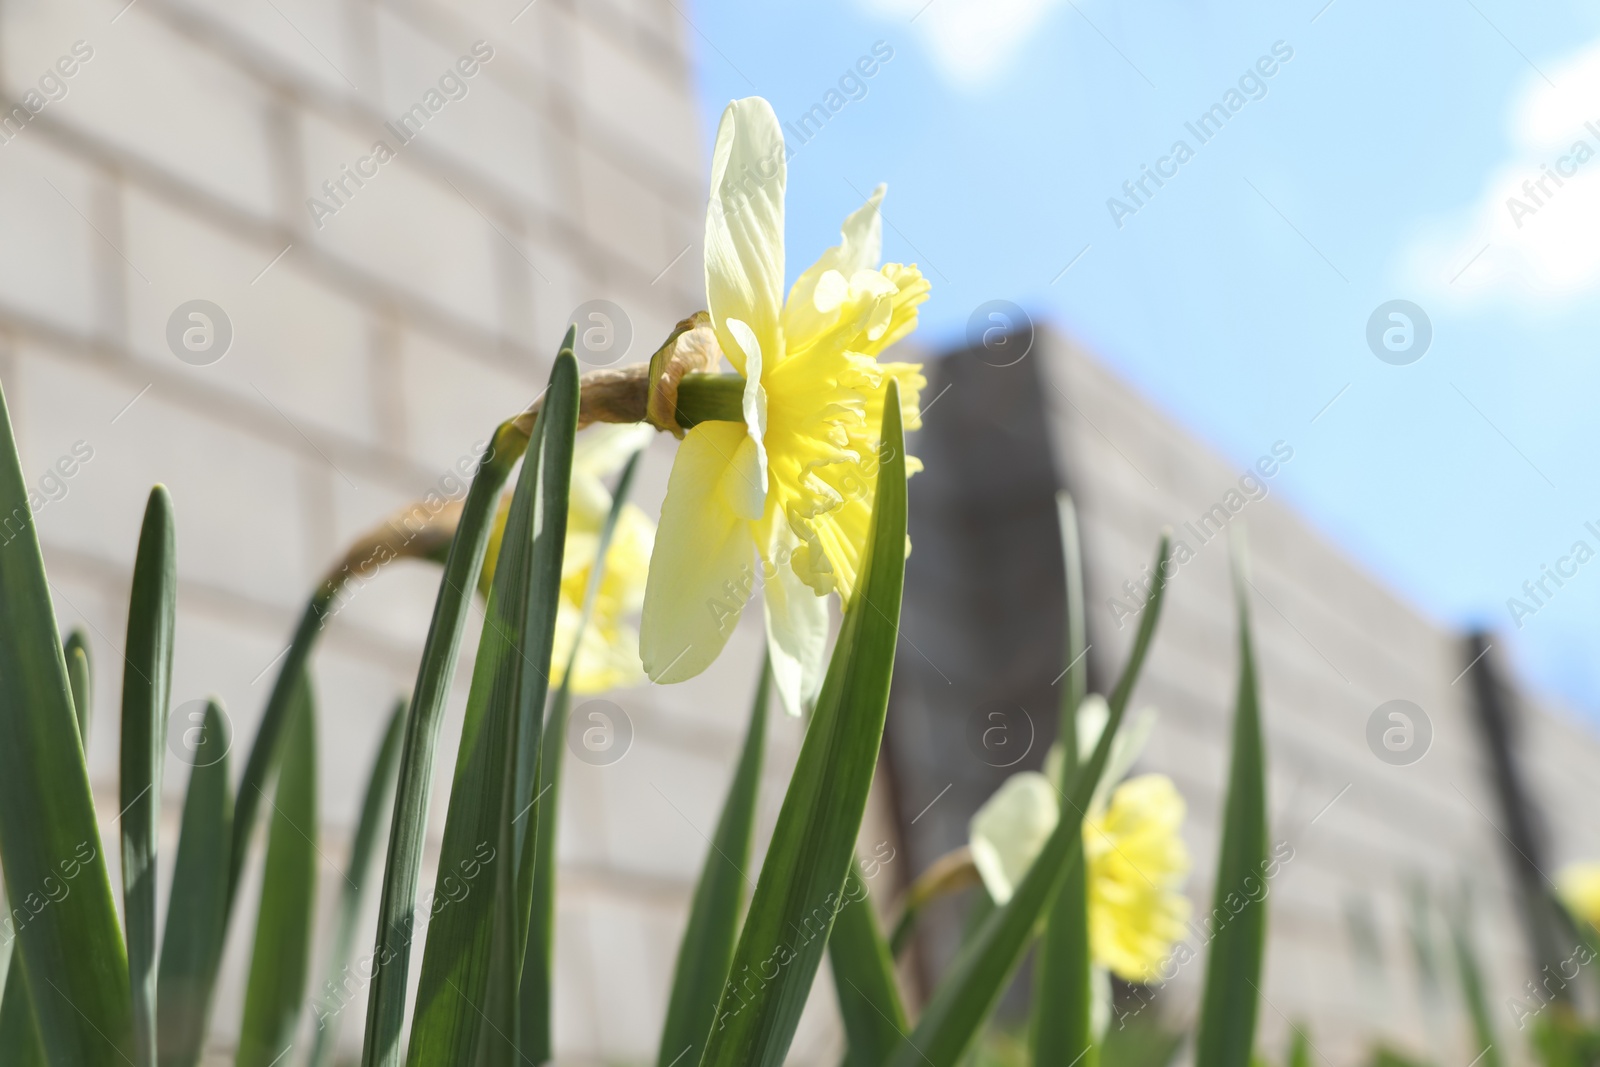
(19,1035)
(963,1000)
(536,880)
(80,679)
(1231,998)
(266,750)
(1061,990)
(1060,1027)
(1076,675)
(374,806)
(863,979)
(197,905)
(469,966)
(1141,1044)
(282,951)
(1473,990)
(146,694)
(799,890)
(391,959)
(950,873)
(1300,1046)
(708,940)
(70,943)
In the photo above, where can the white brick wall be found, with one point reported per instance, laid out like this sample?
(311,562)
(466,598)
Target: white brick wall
(365,362)
(1332,644)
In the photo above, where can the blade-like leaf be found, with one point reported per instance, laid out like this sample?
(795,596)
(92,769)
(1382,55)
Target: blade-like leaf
(469,966)
(282,949)
(391,958)
(981,971)
(536,880)
(374,806)
(1299,1047)
(81,680)
(1061,989)
(708,939)
(950,873)
(1229,1003)
(197,904)
(1474,992)
(70,942)
(1062,992)
(863,979)
(19,1035)
(146,692)
(267,748)
(801,882)
(1077,631)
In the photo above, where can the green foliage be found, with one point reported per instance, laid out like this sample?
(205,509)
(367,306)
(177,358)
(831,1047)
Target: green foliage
(467,990)
(81,679)
(69,941)
(1143,1043)
(1228,1008)
(963,1000)
(863,979)
(146,694)
(537,879)
(374,807)
(798,891)
(197,907)
(396,915)
(713,928)
(1473,993)
(282,952)
(1062,993)
(73,994)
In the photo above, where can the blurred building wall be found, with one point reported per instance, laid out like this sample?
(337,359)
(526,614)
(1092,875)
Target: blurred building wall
(983,631)
(377,337)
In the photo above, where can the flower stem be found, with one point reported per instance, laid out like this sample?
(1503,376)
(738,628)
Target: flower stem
(704,397)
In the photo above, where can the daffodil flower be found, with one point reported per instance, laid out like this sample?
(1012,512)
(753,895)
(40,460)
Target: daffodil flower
(780,500)
(1579,888)
(1132,846)
(608,651)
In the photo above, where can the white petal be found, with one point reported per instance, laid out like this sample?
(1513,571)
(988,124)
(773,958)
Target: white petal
(742,488)
(701,570)
(603,448)
(754,401)
(744,222)
(1093,714)
(861,236)
(797,624)
(1009,831)
(814,301)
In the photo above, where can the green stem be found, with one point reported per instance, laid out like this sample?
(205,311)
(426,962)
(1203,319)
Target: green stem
(706,397)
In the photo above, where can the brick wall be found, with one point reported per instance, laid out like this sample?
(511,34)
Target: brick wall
(372,346)
(1333,644)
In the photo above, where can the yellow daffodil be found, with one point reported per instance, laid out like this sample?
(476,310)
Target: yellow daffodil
(782,500)
(1137,863)
(608,654)
(1135,855)
(1579,886)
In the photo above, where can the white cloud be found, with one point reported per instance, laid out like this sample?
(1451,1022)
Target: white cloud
(1534,233)
(970,40)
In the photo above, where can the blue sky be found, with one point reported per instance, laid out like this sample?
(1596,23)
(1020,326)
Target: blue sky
(1376,166)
